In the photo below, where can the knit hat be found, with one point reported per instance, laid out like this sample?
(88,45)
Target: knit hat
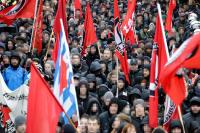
(68,129)
(19,120)
(122,104)
(195,101)
(103,88)
(108,95)
(139,101)
(175,124)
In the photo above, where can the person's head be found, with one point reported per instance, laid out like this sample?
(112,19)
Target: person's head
(107,54)
(93,124)
(195,105)
(145,125)
(139,107)
(67,128)
(114,106)
(76,60)
(107,97)
(129,128)
(91,81)
(83,85)
(133,65)
(146,71)
(93,49)
(48,67)
(76,79)
(20,124)
(84,123)
(159,130)
(121,82)
(175,126)
(15,60)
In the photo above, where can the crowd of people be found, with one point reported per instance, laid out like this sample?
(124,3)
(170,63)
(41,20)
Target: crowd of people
(107,103)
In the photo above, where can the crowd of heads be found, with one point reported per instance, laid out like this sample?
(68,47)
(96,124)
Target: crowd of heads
(107,103)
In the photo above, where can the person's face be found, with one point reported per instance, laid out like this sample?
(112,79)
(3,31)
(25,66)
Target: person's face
(93,50)
(6,60)
(146,73)
(1,50)
(75,60)
(93,126)
(176,130)
(133,67)
(14,61)
(120,84)
(146,62)
(127,109)
(195,109)
(131,130)
(139,110)
(47,67)
(107,54)
(21,128)
(113,78)
(113,109)
(94,107)
(83,90)
(10,45)
(83,125)
(76,81)
(146,128)
(116,123)
(103,67)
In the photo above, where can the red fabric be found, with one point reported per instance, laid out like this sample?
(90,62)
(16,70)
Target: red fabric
(77,6)
(180,59)
(27,11)
(153,98)
(6,117)
(90,33)
(37,41)
(124,64)
(128,21)
(130,37)
(168,23)
(43,108)
(60,14)
(116,9)
(162,51)
(153,109)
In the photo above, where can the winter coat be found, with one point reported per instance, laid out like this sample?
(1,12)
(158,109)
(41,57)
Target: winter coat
(105,118)
(14,78)
(89,106)
(188,119)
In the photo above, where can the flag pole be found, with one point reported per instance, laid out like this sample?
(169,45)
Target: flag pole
(77,110)
(117,63)
(181,119)
(51,36)
(34,19)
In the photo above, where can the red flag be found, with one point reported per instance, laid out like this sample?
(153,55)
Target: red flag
(121,52)
(116,10)
(43,108)
(77,6)
(38,26)
(153,98)
(170,113)
(186,56)
(90,33)
(60,14)
(127,24)
(23,9)
(168,23)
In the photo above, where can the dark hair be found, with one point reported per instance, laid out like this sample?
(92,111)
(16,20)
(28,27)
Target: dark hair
(159,130)
(93,118)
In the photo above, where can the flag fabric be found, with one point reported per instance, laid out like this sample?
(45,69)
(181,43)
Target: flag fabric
(64,88)
(116,10)
(77,6)
(170,113)
(38,26)
(120,51)
(187,56)
(60,14)
(43,107)
(90,33)
(127,24)
(153,98)
(168,22)
(22,9)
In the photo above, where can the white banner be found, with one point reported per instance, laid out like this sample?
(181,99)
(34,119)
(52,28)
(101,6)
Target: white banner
(15,100)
